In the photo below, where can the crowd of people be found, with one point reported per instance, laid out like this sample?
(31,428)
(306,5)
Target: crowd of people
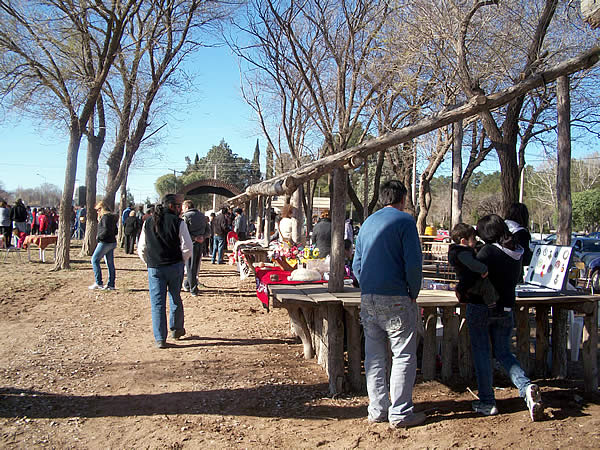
(20,220)
(387,263)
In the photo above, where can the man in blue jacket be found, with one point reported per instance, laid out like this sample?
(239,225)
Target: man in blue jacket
(388,265)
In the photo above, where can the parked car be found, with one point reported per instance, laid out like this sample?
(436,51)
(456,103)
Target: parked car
(584,249)
(595,235)
(594,274)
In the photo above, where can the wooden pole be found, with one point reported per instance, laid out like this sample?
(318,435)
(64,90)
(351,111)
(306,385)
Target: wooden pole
(456,210)
(338,216)
(563,189)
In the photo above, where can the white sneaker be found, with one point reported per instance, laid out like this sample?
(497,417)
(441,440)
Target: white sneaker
(484,408)
(108,288)
(95,286)
(533,399)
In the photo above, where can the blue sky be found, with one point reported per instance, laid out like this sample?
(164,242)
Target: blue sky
(214,111)
(32,155)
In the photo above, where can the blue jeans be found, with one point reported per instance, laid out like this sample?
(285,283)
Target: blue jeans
(485,325)
(218,248)
(161,279)
(107,251)
(390,319)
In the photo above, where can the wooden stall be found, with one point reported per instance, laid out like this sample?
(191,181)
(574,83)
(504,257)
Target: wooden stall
(321,317)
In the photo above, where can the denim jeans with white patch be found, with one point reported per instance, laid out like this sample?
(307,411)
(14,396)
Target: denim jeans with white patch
(390,319)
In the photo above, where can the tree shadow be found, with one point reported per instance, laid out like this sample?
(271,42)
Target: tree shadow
(281,401)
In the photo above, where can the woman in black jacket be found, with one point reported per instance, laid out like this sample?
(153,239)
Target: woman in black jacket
(502,255)
(107,242)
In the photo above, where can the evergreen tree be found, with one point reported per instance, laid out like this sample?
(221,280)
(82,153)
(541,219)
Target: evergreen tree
(255,170)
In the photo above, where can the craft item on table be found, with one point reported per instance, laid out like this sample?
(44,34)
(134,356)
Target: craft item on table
(302,274)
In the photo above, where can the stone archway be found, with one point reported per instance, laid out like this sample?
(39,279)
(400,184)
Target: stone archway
(210,186)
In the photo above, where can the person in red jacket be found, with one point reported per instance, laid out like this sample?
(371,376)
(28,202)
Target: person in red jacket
(44,222)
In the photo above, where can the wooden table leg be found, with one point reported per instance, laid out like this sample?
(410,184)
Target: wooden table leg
(302,330)
(559,342)
(335,348)
(523,333)
(354,348)
(590,350)
(541,340)
(449,338)
(429,343)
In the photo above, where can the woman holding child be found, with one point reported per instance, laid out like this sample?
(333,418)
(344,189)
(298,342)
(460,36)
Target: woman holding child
(488,322)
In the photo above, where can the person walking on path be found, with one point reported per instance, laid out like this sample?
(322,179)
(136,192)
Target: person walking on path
(388,263)
(502,255)
(220,228)
(164,246)
(105,248)
(131,228)
(199,229)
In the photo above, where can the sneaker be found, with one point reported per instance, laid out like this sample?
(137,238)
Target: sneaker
(533,399)
(377,420)
(185,289)
(95,286)
(109,288)
(160,344)
(413,420)
(484,408)
(177,334)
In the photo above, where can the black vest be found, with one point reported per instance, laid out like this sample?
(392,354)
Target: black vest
(163,248)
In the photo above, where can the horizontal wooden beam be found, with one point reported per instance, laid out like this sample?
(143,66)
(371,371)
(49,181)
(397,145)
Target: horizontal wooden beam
(288,182)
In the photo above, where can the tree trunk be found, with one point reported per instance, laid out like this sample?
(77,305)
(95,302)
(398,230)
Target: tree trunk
(91,179)
(63,245)
(296,202)
(338,217)
(122,206)
(457,196)
(424,203)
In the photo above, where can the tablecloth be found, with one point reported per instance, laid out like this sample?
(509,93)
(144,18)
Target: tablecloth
(273,275)
(41,241)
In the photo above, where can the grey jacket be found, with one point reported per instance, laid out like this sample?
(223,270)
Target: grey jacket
(197,223)
(5,217)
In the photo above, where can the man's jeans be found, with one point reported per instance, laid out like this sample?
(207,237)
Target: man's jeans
(193,265)
(394,319)
(218,248)
(106,251)
(161,279)
(485,325)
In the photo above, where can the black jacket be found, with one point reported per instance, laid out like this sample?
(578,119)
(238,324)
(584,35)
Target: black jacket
(504,271)
(107,229)
(163,248)
(132,225)
(18,213)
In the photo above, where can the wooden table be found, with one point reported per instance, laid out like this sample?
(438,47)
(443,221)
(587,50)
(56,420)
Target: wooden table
(42,241)
(320,317)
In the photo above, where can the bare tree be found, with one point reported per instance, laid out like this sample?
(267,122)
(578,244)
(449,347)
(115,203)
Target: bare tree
(39,41)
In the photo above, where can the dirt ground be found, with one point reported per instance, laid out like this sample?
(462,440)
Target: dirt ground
(79,369)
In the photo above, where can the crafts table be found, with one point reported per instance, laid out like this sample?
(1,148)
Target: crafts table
(41,241)
(320,318)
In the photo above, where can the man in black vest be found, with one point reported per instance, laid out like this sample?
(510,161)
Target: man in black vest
(164,246)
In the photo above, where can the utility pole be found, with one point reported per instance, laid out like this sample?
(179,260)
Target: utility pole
(175,172)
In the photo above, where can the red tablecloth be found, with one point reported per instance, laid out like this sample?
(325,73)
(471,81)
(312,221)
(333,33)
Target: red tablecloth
(273,275)
(41,241)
